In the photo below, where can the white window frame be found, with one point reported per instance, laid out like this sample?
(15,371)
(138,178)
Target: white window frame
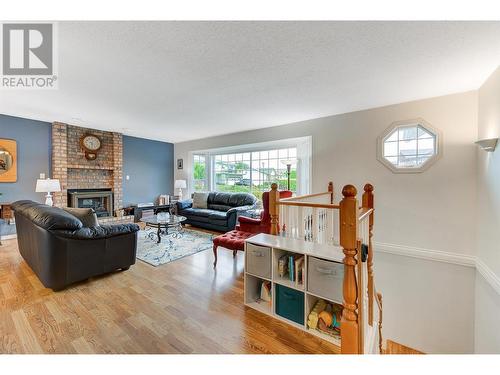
(406,123)
(304,160)
(207,161)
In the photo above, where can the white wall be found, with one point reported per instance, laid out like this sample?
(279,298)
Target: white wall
(428,305)
(487,316)
(414,212)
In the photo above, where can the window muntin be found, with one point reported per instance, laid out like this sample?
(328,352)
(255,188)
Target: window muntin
(251,172)
(407,147)
(200,181)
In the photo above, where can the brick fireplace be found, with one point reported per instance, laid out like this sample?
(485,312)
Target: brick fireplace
(75,172)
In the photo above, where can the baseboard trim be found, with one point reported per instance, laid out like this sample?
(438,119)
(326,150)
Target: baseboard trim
(488,274)
(427,254)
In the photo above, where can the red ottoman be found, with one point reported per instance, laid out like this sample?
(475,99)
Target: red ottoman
(233,240)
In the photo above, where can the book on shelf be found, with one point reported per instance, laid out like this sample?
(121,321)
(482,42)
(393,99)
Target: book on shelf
(299,270)
(296,268)
(283,265)
(292,267)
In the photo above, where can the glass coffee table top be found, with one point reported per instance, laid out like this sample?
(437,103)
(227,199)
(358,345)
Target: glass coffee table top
(171,221)
(165,226)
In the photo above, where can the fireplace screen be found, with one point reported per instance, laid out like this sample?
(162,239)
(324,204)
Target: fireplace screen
(100,201)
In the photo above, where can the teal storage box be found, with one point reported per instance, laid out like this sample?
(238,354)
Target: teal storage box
(290,304)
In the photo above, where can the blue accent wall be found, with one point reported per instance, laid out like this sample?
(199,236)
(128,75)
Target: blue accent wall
(150,165)
(33,156)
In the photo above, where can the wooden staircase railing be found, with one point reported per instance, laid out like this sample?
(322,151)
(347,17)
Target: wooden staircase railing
(368,202)
(380,338)
(349,332)
(315,218)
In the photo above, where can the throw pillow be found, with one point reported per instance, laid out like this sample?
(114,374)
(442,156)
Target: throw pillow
(200,200)
(86,215)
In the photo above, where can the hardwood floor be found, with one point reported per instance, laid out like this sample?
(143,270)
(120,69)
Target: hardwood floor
(396,348)
(181,307)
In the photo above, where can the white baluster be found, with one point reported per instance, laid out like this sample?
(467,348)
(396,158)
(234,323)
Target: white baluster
(281,217)
(363,226)
(337,227)
(329,225)
(291,218)
(300,222)
(295,221)
(286,220)
(325,221)
(361,229)
(324,225)
(368,231)
(307,223)
(319,224)
(315,224)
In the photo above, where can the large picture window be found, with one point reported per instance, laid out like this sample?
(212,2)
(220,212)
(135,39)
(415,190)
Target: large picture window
(254,172)
(251,170)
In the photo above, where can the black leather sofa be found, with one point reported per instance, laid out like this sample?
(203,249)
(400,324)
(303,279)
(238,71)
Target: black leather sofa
(61,251)
(221,213)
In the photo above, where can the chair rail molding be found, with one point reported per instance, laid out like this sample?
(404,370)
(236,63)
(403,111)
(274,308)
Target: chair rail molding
(488,274)
(443,256)
(428,254)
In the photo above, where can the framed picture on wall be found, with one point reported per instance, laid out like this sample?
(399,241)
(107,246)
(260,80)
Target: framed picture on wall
(180,163)
(8,160)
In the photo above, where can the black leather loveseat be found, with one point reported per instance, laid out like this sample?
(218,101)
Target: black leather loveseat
(61,251)
(221,213)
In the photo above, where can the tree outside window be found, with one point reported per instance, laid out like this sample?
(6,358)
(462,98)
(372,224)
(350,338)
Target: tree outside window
(199,173)
(250,172)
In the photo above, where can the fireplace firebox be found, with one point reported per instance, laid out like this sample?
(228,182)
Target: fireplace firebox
(101,200)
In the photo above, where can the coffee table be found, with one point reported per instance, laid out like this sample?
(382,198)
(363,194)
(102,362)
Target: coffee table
(173,223)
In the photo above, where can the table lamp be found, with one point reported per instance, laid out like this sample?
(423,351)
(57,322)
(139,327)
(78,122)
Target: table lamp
(180,184)
(47,186)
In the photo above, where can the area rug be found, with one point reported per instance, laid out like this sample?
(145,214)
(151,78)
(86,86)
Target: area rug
(170,249)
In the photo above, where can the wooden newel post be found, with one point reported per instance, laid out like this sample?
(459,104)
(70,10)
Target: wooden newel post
(368,203)
(349,328)
(274,208)
(330,190)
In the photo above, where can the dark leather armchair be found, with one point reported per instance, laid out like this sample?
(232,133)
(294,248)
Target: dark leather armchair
(262,225)
(61,251)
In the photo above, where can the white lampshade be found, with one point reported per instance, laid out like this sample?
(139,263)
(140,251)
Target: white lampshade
(289,162)
(47,186)
(180,184)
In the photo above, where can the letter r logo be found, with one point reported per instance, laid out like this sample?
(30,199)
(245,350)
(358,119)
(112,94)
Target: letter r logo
(27,49)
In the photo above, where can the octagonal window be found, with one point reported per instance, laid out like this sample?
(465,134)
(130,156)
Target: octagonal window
(408,146)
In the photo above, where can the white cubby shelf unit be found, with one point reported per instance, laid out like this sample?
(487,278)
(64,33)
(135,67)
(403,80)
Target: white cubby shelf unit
(322,279)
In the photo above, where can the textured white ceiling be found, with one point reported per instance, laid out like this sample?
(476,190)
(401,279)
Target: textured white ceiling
(177,81)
